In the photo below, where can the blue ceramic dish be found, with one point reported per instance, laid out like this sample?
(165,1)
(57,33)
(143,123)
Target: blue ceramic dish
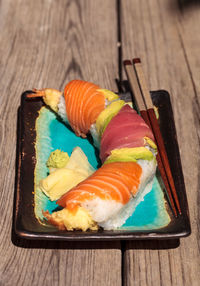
(39,134)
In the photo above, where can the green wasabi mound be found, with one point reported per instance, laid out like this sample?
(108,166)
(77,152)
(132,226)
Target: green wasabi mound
(130,155)
(57,159)
(107,114)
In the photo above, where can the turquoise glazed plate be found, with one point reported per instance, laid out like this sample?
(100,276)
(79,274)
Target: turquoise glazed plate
(40,132)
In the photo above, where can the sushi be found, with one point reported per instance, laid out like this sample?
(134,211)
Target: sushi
(79,105)
(126,129)
(108,196)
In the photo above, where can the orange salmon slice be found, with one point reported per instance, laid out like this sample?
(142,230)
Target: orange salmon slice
(113,181)
(84,103)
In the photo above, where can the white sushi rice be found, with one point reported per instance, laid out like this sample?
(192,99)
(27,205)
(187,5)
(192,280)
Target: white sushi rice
(148,172)
(95,136)
(127,210)
(110,208)
(62,109)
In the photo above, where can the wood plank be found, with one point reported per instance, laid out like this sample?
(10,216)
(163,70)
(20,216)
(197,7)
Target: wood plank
(165,36)
(46,44)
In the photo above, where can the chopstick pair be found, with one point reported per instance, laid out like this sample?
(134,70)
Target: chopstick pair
(144,103)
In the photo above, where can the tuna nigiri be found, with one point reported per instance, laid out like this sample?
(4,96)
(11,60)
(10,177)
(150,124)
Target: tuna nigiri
(126,129)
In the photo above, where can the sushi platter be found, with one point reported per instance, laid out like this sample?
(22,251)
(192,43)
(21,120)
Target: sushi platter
(153,218)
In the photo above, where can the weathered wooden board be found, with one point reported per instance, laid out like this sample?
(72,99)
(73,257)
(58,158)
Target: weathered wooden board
(46,44)
(164,34)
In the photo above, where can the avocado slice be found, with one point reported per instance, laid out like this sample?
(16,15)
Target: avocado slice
(109,95)
(130,155)
(150,143)
(107,114)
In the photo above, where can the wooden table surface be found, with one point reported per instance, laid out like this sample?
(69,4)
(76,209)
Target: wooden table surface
(46,44)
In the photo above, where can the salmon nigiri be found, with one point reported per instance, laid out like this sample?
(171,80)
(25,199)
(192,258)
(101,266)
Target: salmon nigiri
(84,102)
(114,181)
(108,195)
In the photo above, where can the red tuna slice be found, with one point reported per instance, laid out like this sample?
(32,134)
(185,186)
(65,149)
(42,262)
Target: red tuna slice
(126,129)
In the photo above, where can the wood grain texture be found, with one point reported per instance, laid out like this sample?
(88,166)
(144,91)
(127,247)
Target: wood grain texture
(46,44)
(164,34)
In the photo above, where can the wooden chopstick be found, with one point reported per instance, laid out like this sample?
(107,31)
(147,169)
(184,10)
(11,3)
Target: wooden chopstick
(145,105)
(132,77)
(156,130)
